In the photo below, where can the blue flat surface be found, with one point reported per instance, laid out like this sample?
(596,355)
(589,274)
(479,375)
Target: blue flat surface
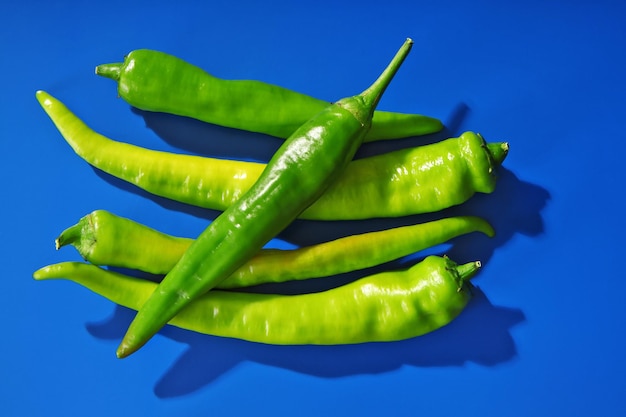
(544,334)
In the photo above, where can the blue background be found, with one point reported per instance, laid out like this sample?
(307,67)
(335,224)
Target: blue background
(544,335)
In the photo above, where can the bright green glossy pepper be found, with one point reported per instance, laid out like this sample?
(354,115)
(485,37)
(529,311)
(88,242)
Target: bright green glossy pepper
(409,181)
(103,238)
(384,307)
(309,161)
(159,82)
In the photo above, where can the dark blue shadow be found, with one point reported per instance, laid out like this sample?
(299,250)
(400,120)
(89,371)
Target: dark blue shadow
(193,136)
(202,138)
(481,334)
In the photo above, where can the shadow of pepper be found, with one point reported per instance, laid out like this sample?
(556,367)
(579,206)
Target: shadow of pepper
(481,334)
(202,138)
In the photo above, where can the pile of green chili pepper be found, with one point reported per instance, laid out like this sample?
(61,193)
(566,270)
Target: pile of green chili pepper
(312,176)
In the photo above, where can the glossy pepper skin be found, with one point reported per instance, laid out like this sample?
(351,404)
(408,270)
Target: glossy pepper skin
(106,239)
(298,173)
(155,81)
(424,179)
(409,181)
(384,307)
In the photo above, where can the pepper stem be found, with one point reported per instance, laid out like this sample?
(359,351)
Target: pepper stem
(371,96)
(111,71)
(498,151)
(468,270)
(69,236)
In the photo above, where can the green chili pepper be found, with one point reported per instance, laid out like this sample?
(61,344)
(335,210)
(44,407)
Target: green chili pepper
(384,307)
(103,238)
(159,82)
(409,181)
(298,173)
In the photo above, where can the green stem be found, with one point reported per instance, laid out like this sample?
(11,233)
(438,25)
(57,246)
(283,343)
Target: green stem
(69,236)
(498,151)
(111,71)
(468,270)
(374,92)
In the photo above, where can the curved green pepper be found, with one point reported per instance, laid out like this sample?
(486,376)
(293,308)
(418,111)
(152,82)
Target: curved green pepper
(159,82)
(103,238)
(409,181)
(384,307)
